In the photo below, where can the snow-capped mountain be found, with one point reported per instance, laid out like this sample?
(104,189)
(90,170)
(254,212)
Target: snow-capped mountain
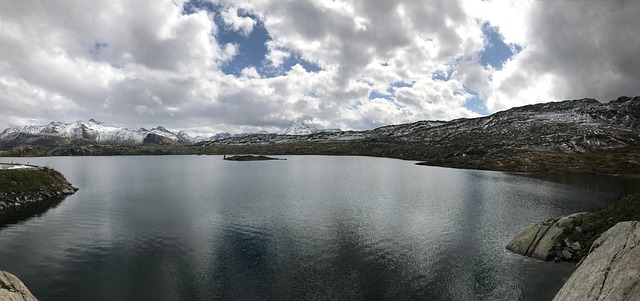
(299,128)
(104,133)
(97,131)
(92,130)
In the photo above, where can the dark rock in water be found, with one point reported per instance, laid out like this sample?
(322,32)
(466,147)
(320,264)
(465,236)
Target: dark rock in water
(250,158)
(12,289)
(557,259)
(545,241)
(566,254)
(610,271)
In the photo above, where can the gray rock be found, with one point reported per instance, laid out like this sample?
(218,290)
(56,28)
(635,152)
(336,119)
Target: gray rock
(543,250)
(576,246)
(12,289)
(578,229)
(610,271)
(566,254)
(522,242)
(569,220)
(567,242)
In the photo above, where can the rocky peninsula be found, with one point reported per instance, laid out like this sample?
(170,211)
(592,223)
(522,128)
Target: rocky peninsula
(25,186)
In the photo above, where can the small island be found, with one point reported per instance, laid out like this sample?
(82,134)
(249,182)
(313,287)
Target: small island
(249,158)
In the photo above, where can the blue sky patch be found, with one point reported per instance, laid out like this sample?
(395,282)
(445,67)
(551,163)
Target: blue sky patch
(377,94)
(288,63)
(497,51)
(475,104)
(402,84)
(252,48)
(441,75)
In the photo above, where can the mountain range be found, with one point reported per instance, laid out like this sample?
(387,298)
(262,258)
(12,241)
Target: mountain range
(103,133)
(571,136)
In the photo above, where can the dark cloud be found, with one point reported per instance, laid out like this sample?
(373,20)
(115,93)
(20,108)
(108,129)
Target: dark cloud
(581,48)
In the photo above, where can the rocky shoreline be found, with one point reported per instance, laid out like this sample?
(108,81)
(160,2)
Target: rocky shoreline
(568,238)
(602,243)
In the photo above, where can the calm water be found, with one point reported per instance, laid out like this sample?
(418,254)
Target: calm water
(309,228)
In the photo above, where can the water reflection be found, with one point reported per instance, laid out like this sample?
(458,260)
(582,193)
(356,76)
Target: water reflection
(22,214)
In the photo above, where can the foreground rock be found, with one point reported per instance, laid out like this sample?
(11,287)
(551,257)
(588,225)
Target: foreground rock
(610,271)
(551,240)
(12,289)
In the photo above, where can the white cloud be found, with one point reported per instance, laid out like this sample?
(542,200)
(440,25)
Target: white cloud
(275,55)
(238,23)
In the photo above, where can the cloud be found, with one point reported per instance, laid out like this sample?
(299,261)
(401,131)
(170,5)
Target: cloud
(353,64)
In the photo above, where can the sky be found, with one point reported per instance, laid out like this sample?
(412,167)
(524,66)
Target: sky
(209,66)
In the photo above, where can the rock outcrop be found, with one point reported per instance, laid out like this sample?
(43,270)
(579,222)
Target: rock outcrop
(610,271)
(12,289)
(550,240)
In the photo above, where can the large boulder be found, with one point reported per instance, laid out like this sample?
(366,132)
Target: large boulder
(611,270)
(548,240)
(12,289)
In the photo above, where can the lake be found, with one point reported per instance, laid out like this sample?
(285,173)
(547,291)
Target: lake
(308,228)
